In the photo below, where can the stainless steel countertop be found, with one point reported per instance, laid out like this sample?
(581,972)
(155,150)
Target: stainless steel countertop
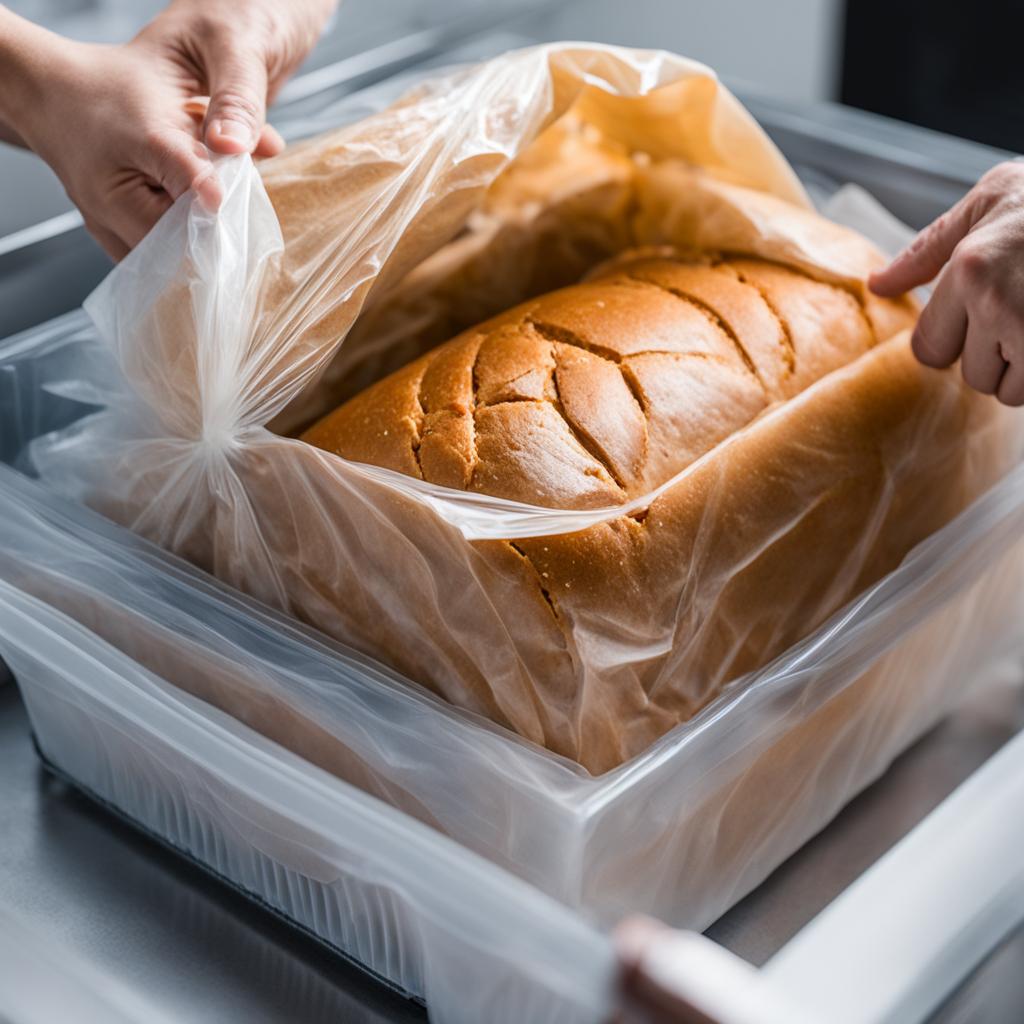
(92,887)
(197,951)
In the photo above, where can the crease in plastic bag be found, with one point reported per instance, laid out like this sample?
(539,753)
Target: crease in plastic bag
(220,323)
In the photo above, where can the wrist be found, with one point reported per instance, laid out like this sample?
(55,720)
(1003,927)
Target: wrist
(27,54)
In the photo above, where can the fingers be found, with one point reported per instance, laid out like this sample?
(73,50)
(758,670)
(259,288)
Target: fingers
(196,107)
(270,143)
(134,210)
(940,333)
(119,218)
(982,363)
(1011,387)
(976,313)
(167,164)
(947,331)
(177,162)
(927,253)
(238,95)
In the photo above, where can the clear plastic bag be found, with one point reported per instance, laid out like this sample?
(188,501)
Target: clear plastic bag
(221,324)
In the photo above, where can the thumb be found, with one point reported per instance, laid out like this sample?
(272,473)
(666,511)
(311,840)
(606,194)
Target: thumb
(237,78)
(926,255)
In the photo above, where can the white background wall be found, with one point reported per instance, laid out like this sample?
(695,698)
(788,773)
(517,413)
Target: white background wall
(784,47)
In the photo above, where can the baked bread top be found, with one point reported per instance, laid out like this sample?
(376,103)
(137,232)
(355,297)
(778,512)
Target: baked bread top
(594,394)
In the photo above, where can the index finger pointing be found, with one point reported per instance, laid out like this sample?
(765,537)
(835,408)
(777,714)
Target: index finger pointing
(926,255)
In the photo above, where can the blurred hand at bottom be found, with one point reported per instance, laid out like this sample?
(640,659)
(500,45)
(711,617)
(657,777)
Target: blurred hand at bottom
(649,960)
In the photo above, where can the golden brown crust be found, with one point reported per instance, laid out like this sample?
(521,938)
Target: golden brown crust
(798,489)
(602,391)
(559,208)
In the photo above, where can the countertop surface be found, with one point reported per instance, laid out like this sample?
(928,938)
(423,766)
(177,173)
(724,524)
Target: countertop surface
(94,889)
(196,950)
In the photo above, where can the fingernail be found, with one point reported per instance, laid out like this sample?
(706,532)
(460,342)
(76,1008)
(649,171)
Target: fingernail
(197,105)
(634,935)
(234,130)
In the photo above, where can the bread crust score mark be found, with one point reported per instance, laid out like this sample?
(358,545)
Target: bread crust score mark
(784,330)
(713,315)
(615,437)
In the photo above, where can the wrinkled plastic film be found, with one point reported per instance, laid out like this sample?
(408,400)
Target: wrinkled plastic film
(232,331)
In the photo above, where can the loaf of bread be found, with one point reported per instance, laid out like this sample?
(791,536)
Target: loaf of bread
(598,393)
(812,452)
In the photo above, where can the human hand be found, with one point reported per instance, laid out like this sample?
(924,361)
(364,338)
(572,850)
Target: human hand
(976,312)
(681,977)
(648,987)
(240,52)
(123,126)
